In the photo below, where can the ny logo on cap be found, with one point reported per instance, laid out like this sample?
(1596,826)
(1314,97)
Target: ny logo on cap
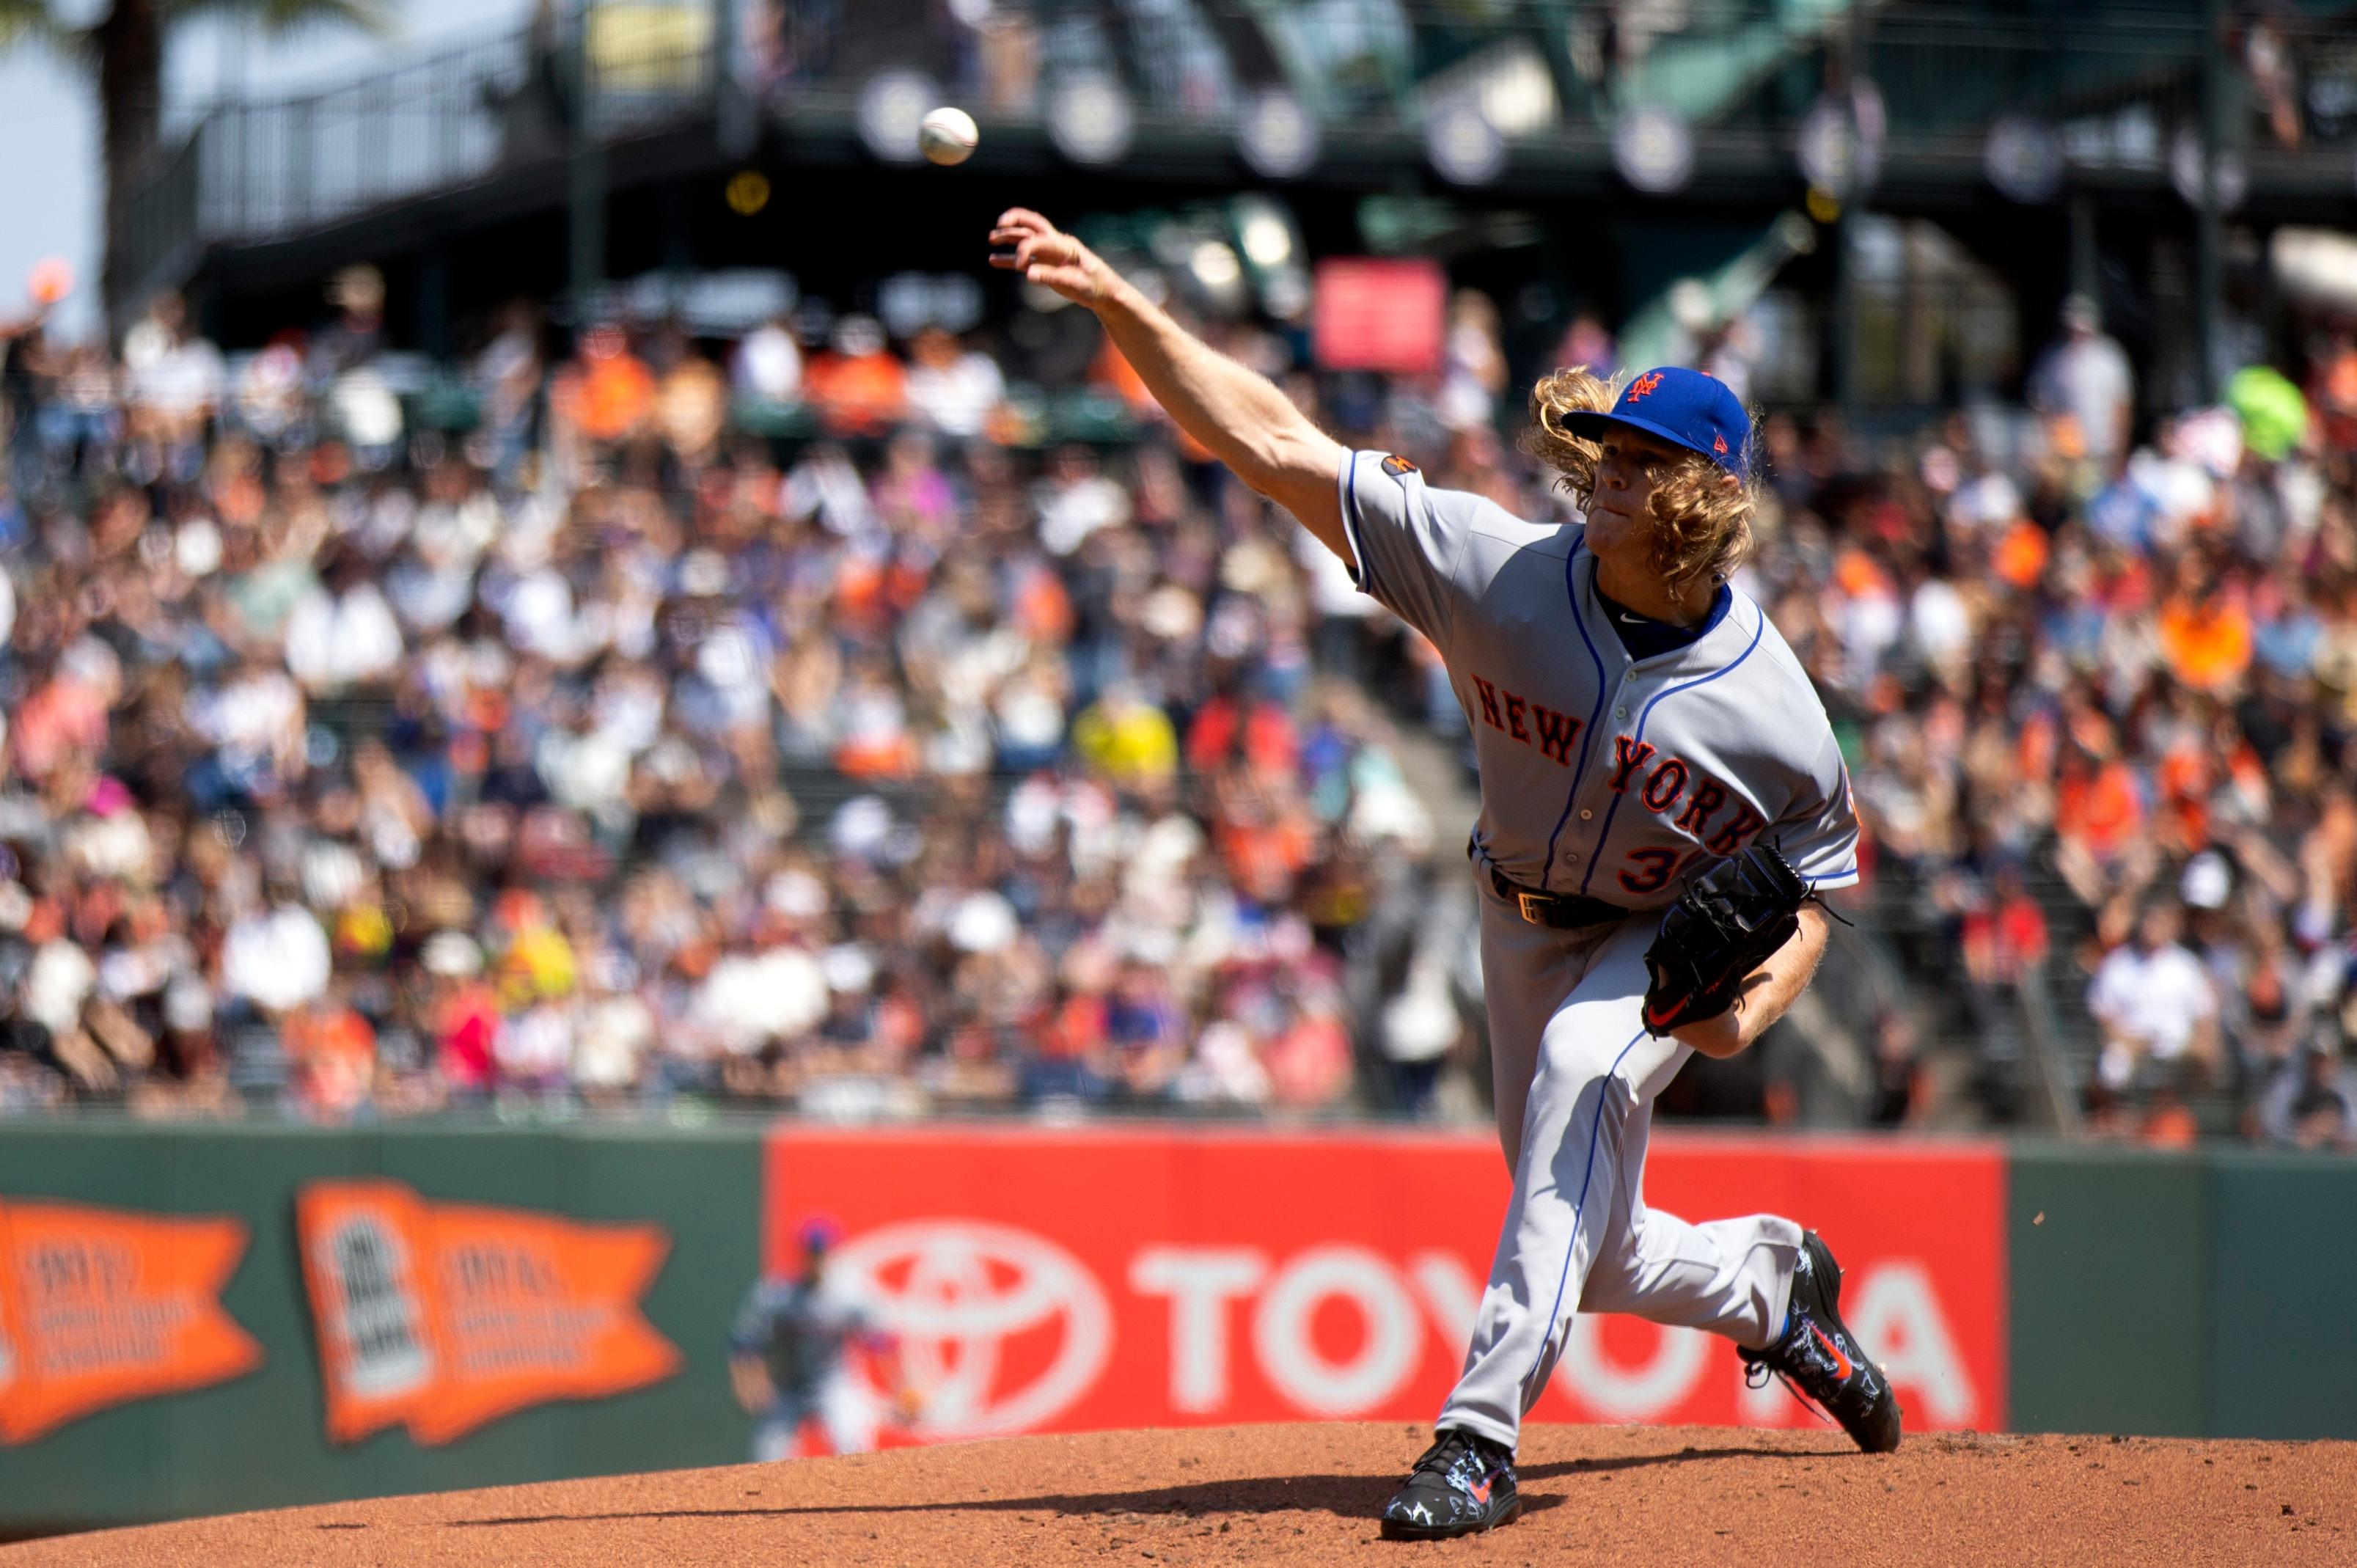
(1642,385)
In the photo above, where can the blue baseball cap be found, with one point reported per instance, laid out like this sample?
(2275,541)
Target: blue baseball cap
(1683,407)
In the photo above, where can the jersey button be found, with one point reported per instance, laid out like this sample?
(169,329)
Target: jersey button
(1619,712)
(1584,814)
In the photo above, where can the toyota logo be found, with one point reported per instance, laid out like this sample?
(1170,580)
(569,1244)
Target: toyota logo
(956,1292)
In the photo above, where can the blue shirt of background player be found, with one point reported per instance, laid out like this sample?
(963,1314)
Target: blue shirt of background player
(1644,637)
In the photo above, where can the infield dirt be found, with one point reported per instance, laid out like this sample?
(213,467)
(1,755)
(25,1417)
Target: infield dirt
(1619,1496)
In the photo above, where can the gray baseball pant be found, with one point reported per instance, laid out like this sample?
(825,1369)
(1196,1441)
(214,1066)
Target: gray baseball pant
(1576,1075)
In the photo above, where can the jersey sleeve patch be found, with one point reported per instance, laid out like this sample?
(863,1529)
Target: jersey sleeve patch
(1406,539)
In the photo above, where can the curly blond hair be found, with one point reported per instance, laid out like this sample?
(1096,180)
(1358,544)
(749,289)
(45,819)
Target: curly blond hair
(1705,523)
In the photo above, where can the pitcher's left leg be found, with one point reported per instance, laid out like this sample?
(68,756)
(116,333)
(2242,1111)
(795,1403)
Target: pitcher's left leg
(1729,1276)
(1763,1281)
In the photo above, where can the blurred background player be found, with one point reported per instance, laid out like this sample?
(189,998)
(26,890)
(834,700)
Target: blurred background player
(790,1354)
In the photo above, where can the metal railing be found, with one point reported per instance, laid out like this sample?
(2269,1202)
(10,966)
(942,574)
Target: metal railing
(1746,75)
(273,168)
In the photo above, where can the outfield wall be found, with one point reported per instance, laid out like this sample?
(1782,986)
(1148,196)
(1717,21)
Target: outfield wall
(492,1305)
(260,1440)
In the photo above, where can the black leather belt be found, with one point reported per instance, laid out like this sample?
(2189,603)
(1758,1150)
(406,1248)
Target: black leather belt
(1563,912)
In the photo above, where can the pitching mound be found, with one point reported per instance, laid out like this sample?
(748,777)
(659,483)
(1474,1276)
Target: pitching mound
(1308,1494)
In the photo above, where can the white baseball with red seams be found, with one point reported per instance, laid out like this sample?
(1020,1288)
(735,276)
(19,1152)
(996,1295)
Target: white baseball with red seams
(1615,778)
(948,136)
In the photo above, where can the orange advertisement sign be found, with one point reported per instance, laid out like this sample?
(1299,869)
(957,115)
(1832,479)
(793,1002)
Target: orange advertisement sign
(444,1316)
(101,1307)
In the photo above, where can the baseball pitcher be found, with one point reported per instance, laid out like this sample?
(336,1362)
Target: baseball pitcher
(1662,799)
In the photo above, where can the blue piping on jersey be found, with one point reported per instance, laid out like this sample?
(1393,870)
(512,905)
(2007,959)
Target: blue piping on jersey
(1562,1281)
(1594,714)
(1612,811)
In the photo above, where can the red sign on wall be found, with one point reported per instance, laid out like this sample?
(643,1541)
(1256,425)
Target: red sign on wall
(1068,1281)
(1388,316)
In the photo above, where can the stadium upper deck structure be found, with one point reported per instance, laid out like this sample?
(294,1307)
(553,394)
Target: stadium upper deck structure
(2050,140)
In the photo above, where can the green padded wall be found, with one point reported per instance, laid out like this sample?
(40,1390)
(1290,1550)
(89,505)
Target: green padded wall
(259,1442)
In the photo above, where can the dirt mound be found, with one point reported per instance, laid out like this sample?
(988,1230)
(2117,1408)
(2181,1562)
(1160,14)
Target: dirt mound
(1309,1494)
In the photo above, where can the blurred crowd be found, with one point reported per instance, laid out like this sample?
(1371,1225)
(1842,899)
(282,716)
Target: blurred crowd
(2100,675)
(607,746)
(598,753)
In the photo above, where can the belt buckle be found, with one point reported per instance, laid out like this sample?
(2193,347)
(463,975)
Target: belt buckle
(1533,906)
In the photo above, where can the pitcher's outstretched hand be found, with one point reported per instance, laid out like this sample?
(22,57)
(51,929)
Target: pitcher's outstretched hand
(1028,243)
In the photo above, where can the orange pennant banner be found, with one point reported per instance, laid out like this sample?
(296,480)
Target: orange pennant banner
(101,1307)
(444,1316)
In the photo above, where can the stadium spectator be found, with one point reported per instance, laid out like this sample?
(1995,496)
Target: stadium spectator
(2086,380)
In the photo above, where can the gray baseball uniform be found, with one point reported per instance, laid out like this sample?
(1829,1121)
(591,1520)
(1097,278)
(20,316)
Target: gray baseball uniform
(802,1332)
(1615,778)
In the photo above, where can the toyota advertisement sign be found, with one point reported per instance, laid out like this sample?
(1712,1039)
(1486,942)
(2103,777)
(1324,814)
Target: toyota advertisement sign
(1059,1280)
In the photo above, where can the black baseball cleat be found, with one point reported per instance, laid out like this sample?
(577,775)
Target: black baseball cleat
(1818,1355)
(1462,1485)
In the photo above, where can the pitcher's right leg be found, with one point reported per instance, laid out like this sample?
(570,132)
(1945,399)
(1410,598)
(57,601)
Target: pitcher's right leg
(1598,1069)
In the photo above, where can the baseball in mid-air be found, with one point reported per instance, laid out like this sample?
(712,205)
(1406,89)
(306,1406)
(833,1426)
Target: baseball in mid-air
(947,136)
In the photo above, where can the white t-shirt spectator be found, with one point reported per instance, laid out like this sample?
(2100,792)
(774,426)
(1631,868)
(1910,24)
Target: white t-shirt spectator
(56,983)
(826,485)
(960,396)
(1938,622)
(1069,510)
(537,1049)
(337,642)
(182,378)
(2155,999)
(750,999)
(2090,378)
(1225,1066)
(770,364)
(276,959)
(252,717)
(614,1033)
(541,617)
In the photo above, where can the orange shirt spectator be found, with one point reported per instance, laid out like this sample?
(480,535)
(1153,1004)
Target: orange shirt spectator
(2020,556)
(1262,858)
(607,393)
(2207,641)
(1076,1031)
(857,386)
(332,1051)
(2099,808)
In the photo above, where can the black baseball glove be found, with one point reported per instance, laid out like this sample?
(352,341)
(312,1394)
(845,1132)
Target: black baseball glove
(1724,926)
